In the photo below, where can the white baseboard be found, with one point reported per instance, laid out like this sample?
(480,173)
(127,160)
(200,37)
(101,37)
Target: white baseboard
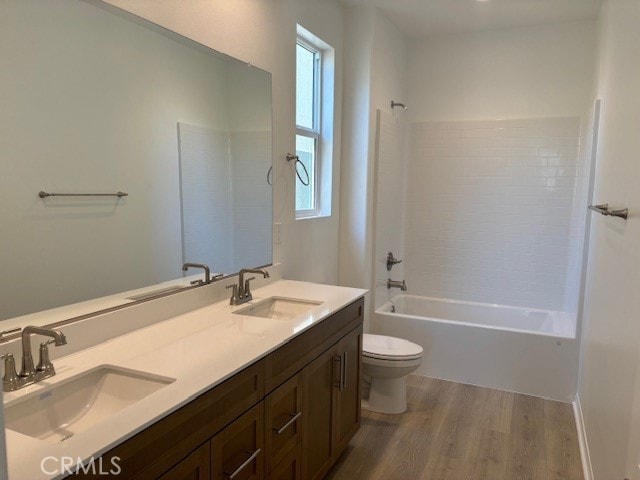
(582,440)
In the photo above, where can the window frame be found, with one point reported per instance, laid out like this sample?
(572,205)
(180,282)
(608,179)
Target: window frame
(314,133)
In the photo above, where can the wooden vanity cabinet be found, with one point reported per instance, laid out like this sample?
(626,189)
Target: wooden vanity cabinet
(237,452)
(347,407)
(197,466)
(283,421)
(320,379)
(332,401)
(289,468)
(286,417)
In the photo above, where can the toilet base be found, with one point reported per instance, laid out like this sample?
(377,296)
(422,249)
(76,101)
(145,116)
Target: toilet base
(387,395)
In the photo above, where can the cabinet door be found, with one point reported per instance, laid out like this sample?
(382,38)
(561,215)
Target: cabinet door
(283,421)
(197,466)
(289,467)
(347,415)
(237,451)
(319,402)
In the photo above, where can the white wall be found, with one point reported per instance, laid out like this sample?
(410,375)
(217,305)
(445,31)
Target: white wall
(357,167)
(389,65)
(543,71)
(609,385)
(375,73)
(263,33)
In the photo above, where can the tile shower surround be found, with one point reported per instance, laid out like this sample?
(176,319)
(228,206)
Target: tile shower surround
(390,202)
(494,209)
(225,173)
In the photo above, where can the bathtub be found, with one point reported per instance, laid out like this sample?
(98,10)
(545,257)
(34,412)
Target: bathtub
(517,349)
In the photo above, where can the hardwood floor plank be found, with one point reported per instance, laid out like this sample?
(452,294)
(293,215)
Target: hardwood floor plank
(453,431)
(526,447)
(562,452)
(415,443)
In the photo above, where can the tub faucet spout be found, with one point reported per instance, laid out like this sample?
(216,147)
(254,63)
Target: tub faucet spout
(401,284)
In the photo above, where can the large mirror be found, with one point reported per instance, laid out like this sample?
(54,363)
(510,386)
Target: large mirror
(97,101)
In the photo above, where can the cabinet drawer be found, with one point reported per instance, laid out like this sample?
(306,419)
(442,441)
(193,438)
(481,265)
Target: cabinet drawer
(157,449)
(289,467)
(283,421)
(196,466)
(237,452)
(294,355)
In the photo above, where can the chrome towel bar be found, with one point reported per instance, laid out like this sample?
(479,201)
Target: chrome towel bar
(43,194)
(603,209)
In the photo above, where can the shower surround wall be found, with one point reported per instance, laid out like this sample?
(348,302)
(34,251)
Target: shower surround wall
(226,222)
(390,206)
(495,211)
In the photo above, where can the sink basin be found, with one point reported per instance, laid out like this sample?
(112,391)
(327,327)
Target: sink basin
(59,412)
(279,308)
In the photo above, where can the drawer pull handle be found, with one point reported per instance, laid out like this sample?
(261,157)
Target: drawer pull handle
(337,361)
(290,422)
(344,371)
(244,465)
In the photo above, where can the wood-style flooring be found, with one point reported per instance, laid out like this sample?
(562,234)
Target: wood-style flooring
(461,432)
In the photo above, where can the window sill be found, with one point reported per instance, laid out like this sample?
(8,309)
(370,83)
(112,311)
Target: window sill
(312,216)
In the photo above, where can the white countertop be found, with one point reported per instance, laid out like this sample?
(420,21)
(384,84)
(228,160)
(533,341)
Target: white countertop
(200,349)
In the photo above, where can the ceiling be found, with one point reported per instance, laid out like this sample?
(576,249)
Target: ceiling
(422,18)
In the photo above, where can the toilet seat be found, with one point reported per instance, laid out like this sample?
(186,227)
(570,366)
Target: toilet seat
(380,347)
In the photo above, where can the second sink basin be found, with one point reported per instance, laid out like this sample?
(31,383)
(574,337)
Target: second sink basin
(57,413)
(279,308)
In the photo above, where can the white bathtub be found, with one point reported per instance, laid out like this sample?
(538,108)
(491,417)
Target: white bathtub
(510,348)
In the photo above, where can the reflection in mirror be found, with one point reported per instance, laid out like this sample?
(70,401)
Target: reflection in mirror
(96,100)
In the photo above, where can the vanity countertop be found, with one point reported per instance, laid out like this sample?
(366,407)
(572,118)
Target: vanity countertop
(200,349)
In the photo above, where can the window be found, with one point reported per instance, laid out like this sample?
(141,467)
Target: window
(307,126)
(314,125)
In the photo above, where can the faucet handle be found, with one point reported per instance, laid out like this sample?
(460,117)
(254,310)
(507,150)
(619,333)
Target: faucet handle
(247,287)
(10,378)
(391,261)
(44,364)
(234,293)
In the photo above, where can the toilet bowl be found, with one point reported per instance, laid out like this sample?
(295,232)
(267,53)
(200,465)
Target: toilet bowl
(387,361)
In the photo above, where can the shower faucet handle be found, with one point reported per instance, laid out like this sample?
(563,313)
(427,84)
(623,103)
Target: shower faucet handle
(391,261)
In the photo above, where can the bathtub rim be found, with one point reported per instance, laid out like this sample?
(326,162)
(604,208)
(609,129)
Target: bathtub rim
(381,311)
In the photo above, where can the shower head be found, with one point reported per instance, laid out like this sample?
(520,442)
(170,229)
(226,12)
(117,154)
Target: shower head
(396,104)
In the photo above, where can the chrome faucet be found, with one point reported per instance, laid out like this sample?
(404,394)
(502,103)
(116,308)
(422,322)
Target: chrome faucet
(29,374)
(207,273)
(242,291)
(401,284)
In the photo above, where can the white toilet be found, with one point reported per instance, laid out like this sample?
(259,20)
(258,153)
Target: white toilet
(387,361)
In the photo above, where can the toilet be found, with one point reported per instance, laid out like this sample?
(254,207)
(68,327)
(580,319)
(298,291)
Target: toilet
(387,361)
